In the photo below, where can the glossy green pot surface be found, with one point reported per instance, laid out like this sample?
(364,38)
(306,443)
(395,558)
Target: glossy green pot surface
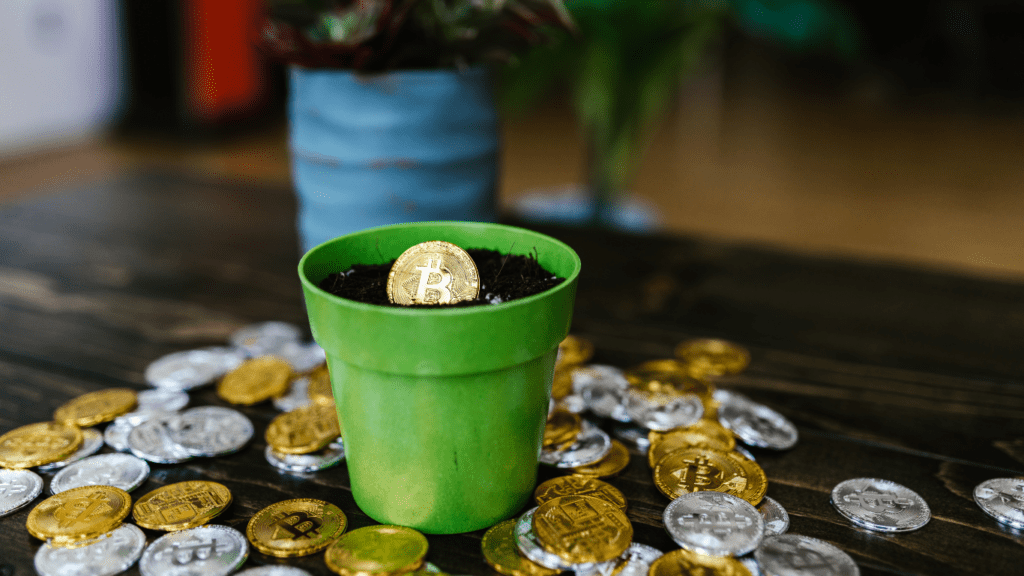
(442,410)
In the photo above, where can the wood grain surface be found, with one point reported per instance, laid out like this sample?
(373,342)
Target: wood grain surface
(888,372)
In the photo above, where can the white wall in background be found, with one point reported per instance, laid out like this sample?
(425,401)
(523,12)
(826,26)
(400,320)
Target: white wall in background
(59,71)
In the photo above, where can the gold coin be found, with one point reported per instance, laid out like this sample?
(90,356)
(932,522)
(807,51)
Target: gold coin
(296,527)
(79,514)
(574,350)
(372,550)
(303,430)
(614,462)
(694,469)
(686,563)
(582,529)
(562,426)
(502,553)
(574,485)
(38,444)
(757,480)
(705,433)
(434,272)
(319,390)
(255,381)
(650,377)
(711,357)
(182,505)
(561,385)
(96,407)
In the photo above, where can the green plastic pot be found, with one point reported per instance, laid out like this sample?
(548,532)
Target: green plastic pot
(442,410)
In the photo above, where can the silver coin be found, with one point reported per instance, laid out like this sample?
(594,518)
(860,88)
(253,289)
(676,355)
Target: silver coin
(635,561)
(796,555)
(297,396)
(161,400)
(265,338)
(92,441)
(211,550)
(744,452)
(302,356)
(750,563)
(273,571)
(211,431)
(17,489)
(1002,499)
(714,523)
(633,435)
(303,463)
(122,471)
(573,403)
(602,388)
(111,554)
(591,445)
(529,544)
(430,567)
(776,519)
(193,368)
(116,433)
(662,411)
(152,441)
(880,505)
(755,424)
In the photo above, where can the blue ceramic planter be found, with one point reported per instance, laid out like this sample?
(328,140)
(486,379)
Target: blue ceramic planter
(402,146)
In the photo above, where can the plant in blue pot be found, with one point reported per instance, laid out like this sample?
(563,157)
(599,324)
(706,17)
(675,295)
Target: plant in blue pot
(391,111)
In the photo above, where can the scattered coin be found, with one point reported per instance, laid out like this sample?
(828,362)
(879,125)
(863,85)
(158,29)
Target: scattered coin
(796,555)
(561,427)
(181,505)
(880,505)
(17,489)
(714,523)
(702,434)
(79,514)
(668,377)
(573,403)
(590,446)
(381,549)
(255,381)
(302,356)
(37,444)
(152,440)
(161,400)
(92,441)
(298,527)
(116,433)
(614,462)
(193,368)
(635,436)
(211,431)
(602,389)
(635,561)
(751,565)
(686,562)
(304,430)
(296,397)
(96,407)
(122,471)
(711,357)
(320,386)
(776,519)
(265,337)
(501,553)
(434,272)
(662,411)
(755,424)
(574,350)
(273,571)
(1000,498)
(205,550)
(106,556)
(530,547)
(305,463)
(564,526)
(694,469)
(574,485)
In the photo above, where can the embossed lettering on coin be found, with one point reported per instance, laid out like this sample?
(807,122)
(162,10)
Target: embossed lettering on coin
(205,550)
(79,514)
(434,272)
(582,529)
(181,505)
(574,485)
(296,527)
(714,523)
(880,505)
(1002,499)
(17,489)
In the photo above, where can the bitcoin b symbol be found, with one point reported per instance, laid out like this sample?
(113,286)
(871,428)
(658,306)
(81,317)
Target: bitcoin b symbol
(699,474)
(82,510)
(298,525)
(443,278)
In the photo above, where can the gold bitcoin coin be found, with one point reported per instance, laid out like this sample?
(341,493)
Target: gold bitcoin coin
(562,426)
(582,529)
(574,485)
(255,381)
(79,514)
(96,407)
(757,480)
(502,553)
(614,462)
(561,385)
(711,357)
(319,390)
(182,505)
(377,550)
(649,378)
(38,444)
(574,350)
(686,563)
(303,430)
(296,527)
(693,469)
(705,433)
(434,272)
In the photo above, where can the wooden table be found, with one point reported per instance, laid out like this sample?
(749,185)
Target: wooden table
(893,373)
